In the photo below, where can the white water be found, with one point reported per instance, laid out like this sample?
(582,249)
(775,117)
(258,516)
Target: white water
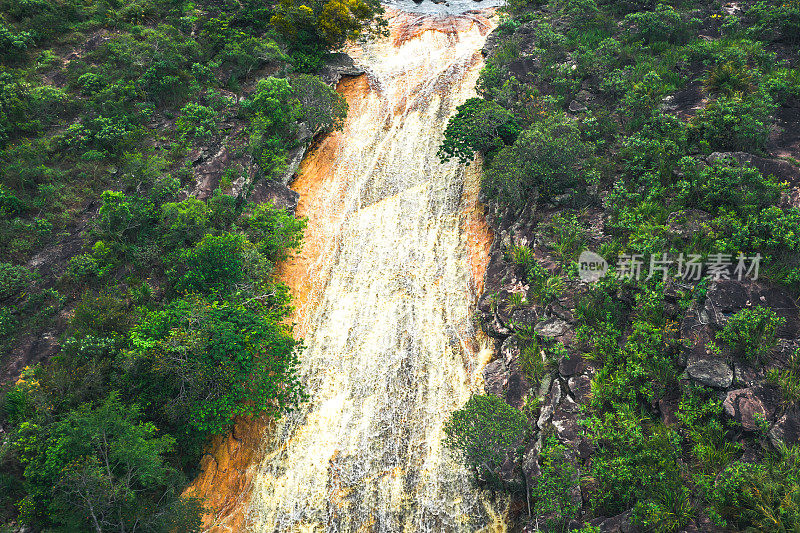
(391,348)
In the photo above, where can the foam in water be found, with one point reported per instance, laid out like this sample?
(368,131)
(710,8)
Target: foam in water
(386,291)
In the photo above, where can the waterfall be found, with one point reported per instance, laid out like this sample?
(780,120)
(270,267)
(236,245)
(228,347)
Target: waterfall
(385,289)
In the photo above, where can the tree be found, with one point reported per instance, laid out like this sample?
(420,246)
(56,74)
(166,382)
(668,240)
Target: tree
(485,433)
(331,22)
(323,108)
(275,231)
(196,364)
(101,469)
(545,158)
(478,126)
(215,264)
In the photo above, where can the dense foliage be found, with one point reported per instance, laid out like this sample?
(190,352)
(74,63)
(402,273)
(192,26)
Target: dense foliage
(158,297)
(621,125)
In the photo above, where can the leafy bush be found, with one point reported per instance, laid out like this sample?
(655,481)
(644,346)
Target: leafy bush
(760,496)
(724,185)
(777,20)
(662,24)
(552,490)
(545,158)
(214,264)
(13,280)
(478,126)
(184,222)
(752,332)
(736,123)
(197,364)
(485,433)
(275,231)
(197,120)
(101,468)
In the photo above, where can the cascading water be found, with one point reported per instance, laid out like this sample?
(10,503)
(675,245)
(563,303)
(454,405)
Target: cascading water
(385,285)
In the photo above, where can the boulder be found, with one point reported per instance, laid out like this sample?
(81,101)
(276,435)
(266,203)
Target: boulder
(616,524)
(577,107)
(747,405)
(517,385)
(495,378)
(551,402)
(787,427)
(571,364)
(551,327)
(713,372)
(337,66)
(580,387)
(276,192)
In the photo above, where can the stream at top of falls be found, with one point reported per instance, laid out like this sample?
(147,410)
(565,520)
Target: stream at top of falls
(385,289)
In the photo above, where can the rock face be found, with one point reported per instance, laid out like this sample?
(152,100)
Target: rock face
(337,66)
(711,371)
(750,407)
(787,427)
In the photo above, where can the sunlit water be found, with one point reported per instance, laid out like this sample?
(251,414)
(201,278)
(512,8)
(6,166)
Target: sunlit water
(386,288)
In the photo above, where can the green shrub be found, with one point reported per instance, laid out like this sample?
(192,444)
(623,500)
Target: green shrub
(478,126)
(184,222)
(323,108)
(485,433)
(726,186)
(662,24)
(102,465)
(760,496)
(197,364)
(736,123)
(545,158)
(779,20)
(752,332)
(214,264)
(551,492)
(274,231)
(14,279)
(197,120)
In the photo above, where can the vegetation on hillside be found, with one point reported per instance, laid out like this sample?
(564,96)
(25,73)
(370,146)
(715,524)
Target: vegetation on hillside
(162,301)
(609,110)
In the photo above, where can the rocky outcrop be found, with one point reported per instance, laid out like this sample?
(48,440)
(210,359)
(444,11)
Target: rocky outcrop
(337,66)
(751,407)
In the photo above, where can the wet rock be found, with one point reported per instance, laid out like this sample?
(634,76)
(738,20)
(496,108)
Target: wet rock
(727,297)
(276,192)
(577,107)
(668,408)
(616,524)
(787,427)
(713,372)
(524,317)
(746,406)
(530,463)
(337,66)
(525,67)
(551,327)
(580,387)
(495,378)
(565,422)
(551,402)
(517,383)
(293,159)
(571,364)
